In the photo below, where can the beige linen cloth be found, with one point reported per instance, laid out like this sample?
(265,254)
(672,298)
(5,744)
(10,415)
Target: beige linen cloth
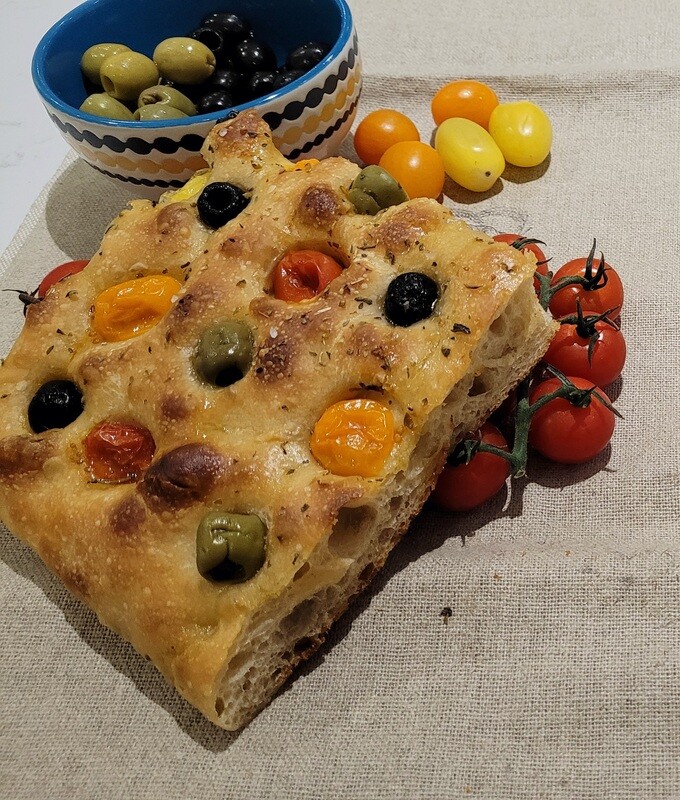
(557,674)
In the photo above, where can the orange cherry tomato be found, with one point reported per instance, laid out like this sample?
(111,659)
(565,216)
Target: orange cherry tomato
(354,437)
(417,167)
(133,307)
(379,131)
(117,451)
(465,486)
(59,273)
(467,99)
(303,274)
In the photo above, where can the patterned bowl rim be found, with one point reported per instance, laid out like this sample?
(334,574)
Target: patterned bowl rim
(48,96)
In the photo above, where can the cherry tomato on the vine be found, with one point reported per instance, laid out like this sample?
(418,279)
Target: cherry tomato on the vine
(566,433)
(117,451)
(605,294)
(466,486)
(467,99)
(524,245)
(417,167)
(303,274)
(59,273)
(597,354)
(379,131)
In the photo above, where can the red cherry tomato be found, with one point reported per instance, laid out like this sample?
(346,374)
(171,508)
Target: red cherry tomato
(303,274)
(466,486)
(604,295)
(596,353)
(569,434)
(59,273)
(117,451)
(526,245)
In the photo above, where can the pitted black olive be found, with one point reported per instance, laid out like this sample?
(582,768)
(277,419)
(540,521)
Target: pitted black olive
(307,56)
(260,84)
(410,298)
(224,353)
(56,404)
(220,202)
(233,27)
(252,56)
(287,76)
(218,100)
(230,548)
(214,39)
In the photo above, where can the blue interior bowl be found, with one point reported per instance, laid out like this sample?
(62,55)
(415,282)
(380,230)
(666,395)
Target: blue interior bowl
(142,24)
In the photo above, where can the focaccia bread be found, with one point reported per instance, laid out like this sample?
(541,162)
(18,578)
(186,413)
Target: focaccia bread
(128,548)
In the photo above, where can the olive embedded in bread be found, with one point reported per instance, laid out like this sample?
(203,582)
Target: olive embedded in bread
(158,111)
(95,56)
(103,105)
(125,75)
(374,189)
(184,60)
(220,202)
(167,95)
(230,548)
(224,353)
(56,404)
(411,297)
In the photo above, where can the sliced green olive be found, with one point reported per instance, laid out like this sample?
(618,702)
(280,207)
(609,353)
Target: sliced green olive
(95,56)
(103,105)
(126,75)
(224,353)
(158,111)
(169,96)
(230,548)
(375,189)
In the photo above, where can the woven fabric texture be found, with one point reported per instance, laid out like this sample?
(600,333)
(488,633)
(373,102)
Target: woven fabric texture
(557,674)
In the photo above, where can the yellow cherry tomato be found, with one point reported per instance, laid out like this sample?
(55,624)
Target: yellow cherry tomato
(467,99)
(379,131)
(471,157)
(191,189)
(522,131)
(133,307)
(417,167)
(354,437)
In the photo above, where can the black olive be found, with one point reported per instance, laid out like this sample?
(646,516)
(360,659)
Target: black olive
(260,84)
(234,28)
(214,40)
(220,202)
(411,297)
(253,56)
(219,100)
(228,80)
(56,404)
(307,56)
(287,76)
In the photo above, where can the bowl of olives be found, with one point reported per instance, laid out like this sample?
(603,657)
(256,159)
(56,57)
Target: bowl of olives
(135,87)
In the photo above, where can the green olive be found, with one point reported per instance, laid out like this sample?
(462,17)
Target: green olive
(158,111)
(126,75)
(184,60)
(95,56)
(168,96)
(103,105)
(375,189)
(224,353)
(230,548)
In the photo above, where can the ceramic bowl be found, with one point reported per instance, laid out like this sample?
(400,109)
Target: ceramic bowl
(309,118)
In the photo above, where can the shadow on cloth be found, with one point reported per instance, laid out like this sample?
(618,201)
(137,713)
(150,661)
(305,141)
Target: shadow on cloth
(79,208)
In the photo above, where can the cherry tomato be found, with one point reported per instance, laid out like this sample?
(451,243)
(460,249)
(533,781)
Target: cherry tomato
(466,486)
(133,307)
(595,352)
(525,245)
(303,274)
(522,131)
(354,437)
(59,273)
(471,157)
(379,131)
(569,434)
(604,296)
(117,451)
(417,167)
(467,99)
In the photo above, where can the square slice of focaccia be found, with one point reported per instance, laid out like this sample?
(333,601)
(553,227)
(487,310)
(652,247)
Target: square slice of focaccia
(228,469)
